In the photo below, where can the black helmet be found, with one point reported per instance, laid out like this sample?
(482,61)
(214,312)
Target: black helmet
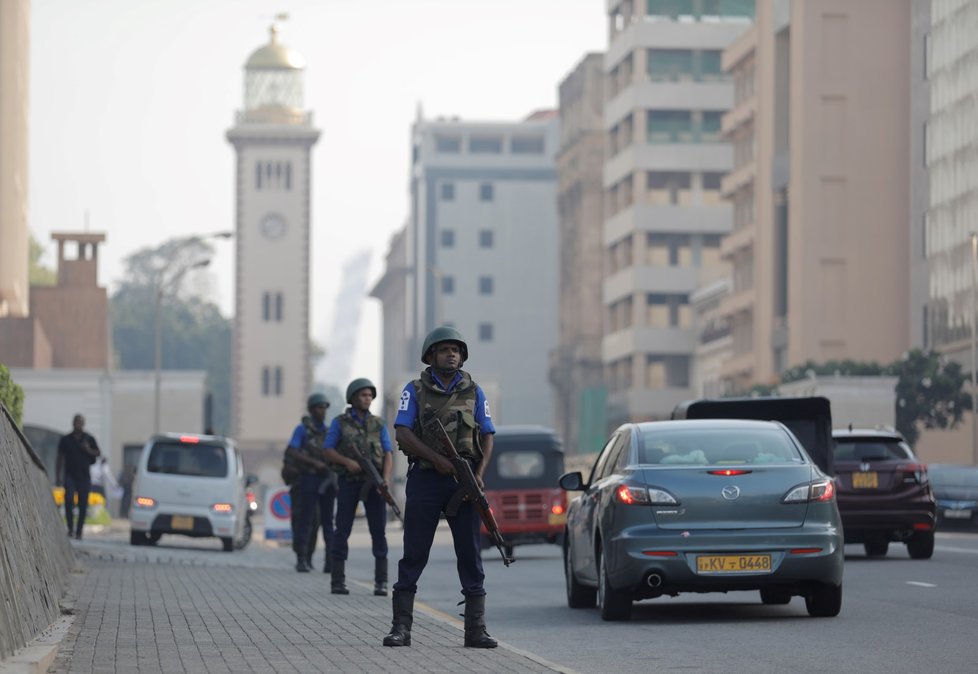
(316,399)
(443,333)
(358,385)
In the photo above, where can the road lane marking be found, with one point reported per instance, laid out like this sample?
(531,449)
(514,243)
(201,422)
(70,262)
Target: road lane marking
(948,548)
(919,584)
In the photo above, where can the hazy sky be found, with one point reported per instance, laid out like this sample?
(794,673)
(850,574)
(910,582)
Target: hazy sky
(130,101)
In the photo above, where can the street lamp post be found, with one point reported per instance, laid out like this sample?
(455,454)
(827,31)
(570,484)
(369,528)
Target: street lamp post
(974,349)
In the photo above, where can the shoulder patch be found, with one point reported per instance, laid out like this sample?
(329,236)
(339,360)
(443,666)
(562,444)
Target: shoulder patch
(485,405)
(405,400)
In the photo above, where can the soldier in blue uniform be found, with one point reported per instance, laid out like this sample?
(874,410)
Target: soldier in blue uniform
(443,391)
(357,430)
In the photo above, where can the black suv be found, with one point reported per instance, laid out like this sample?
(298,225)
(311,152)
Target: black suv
(883,492)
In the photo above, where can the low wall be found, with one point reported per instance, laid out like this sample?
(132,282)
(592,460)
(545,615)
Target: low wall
(35,556)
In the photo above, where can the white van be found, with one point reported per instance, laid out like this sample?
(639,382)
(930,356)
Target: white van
(192,485)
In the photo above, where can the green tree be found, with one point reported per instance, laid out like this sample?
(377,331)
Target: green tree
(928,393)
(195,336)
(11,395)
(39,274)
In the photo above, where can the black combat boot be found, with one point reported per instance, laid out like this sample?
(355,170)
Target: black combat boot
(475,624)
(400,634)
(380,577)
(328,562)
(337,584)
(301,565)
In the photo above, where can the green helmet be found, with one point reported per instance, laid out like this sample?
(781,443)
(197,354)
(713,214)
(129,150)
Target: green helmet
(316,399)
(443,333)
(358,385)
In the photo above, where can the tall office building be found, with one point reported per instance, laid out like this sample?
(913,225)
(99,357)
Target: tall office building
(14,233)
(664,217)
(820,188)
(919,177)
(575,365)
(273,138)
(480,249)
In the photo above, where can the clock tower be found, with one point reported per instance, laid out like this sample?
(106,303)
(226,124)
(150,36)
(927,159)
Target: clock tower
(273,138)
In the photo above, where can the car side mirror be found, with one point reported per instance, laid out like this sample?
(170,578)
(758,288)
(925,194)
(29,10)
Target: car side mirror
(572,482)
(251,479)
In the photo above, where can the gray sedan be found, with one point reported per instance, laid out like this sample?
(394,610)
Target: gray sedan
(702,506)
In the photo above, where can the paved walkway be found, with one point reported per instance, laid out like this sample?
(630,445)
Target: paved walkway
(139,613)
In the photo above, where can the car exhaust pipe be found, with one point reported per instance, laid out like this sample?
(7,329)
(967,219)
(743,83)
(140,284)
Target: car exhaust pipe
(654,580)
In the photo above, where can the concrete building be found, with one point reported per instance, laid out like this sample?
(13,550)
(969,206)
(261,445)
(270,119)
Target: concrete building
(714,344)
(919,178)
(480,253)
(820,191)
(665,96)
(575,365)
(273,138)
(399,364)
(864,402)
(14,233)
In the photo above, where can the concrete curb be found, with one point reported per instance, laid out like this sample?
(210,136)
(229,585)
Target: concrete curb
(38,655)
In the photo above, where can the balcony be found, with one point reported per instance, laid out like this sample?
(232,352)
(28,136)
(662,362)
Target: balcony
(741,114)
(738,302)
(739,178)
(645,93)
(643,339)
(739,366)
(645,404)
(693,157)
(647,279)
(666,218)
(741,48)
(737,240)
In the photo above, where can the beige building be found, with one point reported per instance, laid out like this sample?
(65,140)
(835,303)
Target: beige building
(273,138)
(575,365)
(14,279)
(819,188)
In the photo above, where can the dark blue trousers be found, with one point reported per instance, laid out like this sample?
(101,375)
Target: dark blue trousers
(311,503)
(82,487)
(428,493)
(346,510)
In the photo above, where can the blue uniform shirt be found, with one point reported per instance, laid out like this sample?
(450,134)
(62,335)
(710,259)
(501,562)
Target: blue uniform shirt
(333,434)
(407,411)
(298,440)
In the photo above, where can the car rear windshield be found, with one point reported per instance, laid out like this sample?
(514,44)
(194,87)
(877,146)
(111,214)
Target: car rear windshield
(177,458)
(871,449)
(524,464)
(717,446)
(958,476)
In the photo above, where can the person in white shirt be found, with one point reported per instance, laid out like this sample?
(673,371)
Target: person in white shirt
(102,477)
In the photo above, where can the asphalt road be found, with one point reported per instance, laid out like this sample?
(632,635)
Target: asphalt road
(898,614)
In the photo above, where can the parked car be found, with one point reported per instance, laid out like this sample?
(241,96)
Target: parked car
(191,485)
(956,495)
(521,486)
(884,492)
(702,506)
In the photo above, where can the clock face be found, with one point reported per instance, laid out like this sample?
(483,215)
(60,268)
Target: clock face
(273,226)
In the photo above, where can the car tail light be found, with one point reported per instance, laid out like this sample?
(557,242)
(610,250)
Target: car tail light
(804,551)
(659,553)
(922,526)
(559,504)
(814,492)
(634,495)
(222,507)
(915,473)
(189,439)
(730,471)
(145,502)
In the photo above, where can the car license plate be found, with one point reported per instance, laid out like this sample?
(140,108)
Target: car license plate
(733,564)
(554,519)
(184,522)
(868,480)
(957,514)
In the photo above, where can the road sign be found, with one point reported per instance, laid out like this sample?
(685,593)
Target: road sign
(278,514)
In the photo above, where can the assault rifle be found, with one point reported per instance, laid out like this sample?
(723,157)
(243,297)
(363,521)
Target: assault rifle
(373,477)
(468,487)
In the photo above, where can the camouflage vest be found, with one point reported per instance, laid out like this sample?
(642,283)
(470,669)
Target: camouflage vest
(456,410)
(313,446)
(353,434)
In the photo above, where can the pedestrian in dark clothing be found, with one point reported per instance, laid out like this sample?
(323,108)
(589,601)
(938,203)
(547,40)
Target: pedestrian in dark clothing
(313,489)
(355,431)
(77,451)
(447,393)
(126,478)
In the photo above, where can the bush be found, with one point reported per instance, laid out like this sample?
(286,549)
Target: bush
(11,395)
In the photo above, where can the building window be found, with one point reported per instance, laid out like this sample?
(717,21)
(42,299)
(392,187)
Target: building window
(258,172)
(485,285)
(266,307)
(271,307)
(710,126)
(279,301)
(669,187)
(448,238)
(485,192)
(266,376)
(526,145)
(273,175)
(448,144)
(288,175)
(485,332)
(278,381)
(711,181)
(447,285)
(486,144)
(448,191)
(670,126)
(669,64)
(485,238)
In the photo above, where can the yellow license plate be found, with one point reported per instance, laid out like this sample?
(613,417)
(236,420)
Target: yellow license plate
(868,480)
(733,564)
(182,522)
(554,519)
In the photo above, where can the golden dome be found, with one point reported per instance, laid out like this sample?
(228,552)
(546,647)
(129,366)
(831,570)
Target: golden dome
(275,56)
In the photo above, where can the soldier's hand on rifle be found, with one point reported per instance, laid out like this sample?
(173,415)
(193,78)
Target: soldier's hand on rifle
(353,466)
(443,465)
(478,481)
(319,465)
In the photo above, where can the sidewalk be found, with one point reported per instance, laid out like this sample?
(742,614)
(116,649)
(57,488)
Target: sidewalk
(184,616)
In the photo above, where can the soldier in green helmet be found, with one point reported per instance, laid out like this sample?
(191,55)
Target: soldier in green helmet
(445,392)
(358,431)
(312,484)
